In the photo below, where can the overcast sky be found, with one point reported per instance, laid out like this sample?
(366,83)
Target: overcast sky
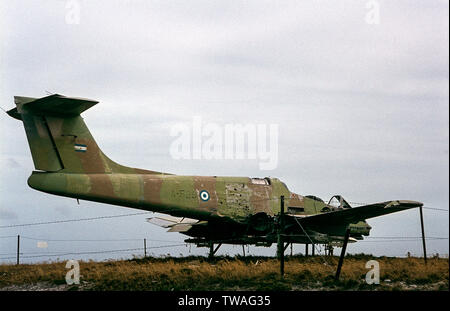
(362,108)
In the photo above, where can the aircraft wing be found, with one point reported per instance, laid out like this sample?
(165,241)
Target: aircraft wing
(355,214)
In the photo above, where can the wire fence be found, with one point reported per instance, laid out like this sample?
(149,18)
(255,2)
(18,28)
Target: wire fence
(135,214)
(40,255)
(32,254)
(143,250)
(72,220)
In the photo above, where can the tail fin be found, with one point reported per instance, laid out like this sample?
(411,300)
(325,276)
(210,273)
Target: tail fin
(58,137)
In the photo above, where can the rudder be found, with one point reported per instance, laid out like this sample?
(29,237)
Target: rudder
(59,139)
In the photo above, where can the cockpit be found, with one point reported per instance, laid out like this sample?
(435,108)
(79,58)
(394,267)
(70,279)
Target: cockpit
(338,201)
(261,181)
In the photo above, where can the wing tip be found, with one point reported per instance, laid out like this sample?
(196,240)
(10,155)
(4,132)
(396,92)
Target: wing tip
(405,204)
(409,203)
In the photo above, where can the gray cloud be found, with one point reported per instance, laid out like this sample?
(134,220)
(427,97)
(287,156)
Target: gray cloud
(8,215)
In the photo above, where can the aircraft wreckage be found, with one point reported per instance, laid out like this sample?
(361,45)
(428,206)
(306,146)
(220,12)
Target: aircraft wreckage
(209,209)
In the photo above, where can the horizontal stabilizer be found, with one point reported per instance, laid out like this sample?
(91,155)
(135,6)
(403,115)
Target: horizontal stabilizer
(14,113)
(57,105)
(175,224)
(180,228)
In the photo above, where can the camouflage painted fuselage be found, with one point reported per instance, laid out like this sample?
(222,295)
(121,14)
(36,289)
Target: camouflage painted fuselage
(233,197)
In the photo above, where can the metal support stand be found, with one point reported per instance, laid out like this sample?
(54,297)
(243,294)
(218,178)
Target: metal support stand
(286,246)
(212,250)
(328,250)
(341,259)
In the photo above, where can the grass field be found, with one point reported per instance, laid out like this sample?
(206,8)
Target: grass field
(230,274)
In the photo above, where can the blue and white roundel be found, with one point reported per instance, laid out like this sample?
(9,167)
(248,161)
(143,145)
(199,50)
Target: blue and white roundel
(204,195)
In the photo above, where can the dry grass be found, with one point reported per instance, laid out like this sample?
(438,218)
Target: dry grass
(225,273)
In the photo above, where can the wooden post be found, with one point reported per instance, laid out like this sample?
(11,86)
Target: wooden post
(280,237)
(341,259)
(313,249)
(423,236)
(306,249)
(215,250)
(18,249)
(145,248)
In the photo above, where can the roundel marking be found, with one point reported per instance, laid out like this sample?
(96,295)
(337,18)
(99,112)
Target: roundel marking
(204,195)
